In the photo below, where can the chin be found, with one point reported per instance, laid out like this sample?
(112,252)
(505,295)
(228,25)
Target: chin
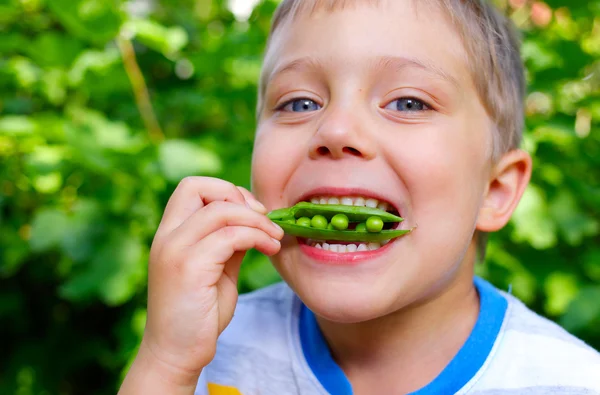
(348,303)
(349,291)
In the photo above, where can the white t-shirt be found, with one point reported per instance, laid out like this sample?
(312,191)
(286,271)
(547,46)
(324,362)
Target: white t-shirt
(273,346)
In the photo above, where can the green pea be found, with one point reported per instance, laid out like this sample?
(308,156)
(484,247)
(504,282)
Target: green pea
(330,226)
(354,214)
(362,227)
(342,235)
(319,222)
(290,221)
(374,224)
(303,221)
(340,222)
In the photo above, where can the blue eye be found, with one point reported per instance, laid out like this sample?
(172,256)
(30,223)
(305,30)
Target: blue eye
(407,104)
(301,105)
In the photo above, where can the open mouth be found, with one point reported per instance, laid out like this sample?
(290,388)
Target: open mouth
(357,201)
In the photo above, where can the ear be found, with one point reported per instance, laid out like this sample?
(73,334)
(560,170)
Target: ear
(509,178)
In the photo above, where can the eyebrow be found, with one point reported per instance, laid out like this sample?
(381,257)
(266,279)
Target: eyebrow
(382,62)
(398,63)
(300,64)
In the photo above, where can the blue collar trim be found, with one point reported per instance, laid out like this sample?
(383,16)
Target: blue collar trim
(457,373)
(317,355)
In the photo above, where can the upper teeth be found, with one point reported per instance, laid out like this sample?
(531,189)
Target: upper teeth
(345,248)
(351,201)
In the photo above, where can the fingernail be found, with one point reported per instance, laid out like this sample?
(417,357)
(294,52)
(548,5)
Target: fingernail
(276,241)
(277,227)
(256,205)
(259,205)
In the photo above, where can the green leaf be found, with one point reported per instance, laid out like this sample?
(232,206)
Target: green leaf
(532,222)
(17,125)
(591,264)
(557,133)
(114,136)
(12,41)
(48,229)
(572,222)
(53,49)
(180,158)
(523,284)
(243,71)
(85,150)
(93,61)
(8,12)
(167,41)
(131,256)
(539,56)
(584,310)
(257,271)
(96,140)
(86,225)
(26,73)
(91,20)
(115,273)
(561,288)
(48,183)
(14,250)
(54,85)
(46,158)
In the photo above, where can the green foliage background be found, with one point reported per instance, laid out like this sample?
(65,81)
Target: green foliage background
(87,165)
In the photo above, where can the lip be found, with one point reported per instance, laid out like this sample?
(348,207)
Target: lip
(345,259)
(341,192)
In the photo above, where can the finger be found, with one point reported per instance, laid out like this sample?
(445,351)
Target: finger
(207,260)
(227,287)
(222,244)
(252,201)
(232,268)
(218,215)
(192,194)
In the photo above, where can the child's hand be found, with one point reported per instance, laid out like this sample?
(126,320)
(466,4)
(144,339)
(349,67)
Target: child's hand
(207,227)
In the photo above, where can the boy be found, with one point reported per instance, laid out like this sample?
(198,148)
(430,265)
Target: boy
(413,106)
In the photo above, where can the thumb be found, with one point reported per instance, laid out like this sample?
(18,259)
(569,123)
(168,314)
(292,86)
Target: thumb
(252,202)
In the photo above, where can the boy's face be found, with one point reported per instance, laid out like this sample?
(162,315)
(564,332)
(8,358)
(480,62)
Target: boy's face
(374,101)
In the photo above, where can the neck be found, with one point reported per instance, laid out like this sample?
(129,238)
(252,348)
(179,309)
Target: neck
(414,343)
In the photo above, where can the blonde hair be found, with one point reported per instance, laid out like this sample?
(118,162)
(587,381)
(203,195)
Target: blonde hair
(492,44)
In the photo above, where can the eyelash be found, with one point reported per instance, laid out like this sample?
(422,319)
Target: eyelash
(282,106)
(425,105)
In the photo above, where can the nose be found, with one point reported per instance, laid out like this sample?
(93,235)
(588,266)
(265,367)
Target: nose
(341,134)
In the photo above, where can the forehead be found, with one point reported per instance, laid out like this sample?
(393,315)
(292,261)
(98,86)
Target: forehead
(399,32)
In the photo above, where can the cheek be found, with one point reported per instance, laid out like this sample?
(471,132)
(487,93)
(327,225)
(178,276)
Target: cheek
(274,159)
(443,169)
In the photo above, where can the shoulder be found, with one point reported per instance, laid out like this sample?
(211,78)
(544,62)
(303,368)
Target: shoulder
(545,338)
(534,352)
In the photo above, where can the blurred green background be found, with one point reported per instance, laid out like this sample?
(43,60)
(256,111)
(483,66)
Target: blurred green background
(106,104)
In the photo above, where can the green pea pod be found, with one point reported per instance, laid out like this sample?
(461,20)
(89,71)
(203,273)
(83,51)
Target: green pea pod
(354,214)
(339,235)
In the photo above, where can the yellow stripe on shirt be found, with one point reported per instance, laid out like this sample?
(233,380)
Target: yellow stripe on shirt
(217,389)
